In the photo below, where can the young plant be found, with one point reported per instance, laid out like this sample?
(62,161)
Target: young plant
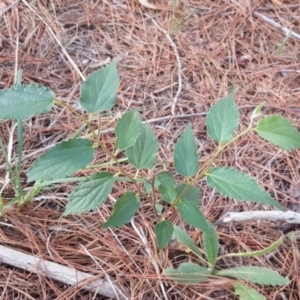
(138,143)
(14,168)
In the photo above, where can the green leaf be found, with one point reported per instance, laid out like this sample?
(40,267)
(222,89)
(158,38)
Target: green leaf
(240,186)
(125,208)
(185,154)
(184,239)
(187,273)
(247,293)
(168,193)
(62,160)
(211,245)
(256,275)
(159,208)
(98,92)
(163,231)
(279,131)
(192,193)
(166,178)
(128,129)
(192,214)
(144,151)
(148,186)
(223,119)
(90,194)
(24,101)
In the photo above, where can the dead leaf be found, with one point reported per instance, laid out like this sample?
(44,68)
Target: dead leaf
(242,61)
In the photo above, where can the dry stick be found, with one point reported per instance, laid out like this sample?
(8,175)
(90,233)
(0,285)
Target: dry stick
(287,216)
(178,66)
(276,25)
(58,272)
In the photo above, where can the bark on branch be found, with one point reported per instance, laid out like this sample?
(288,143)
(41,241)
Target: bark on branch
(287,216)
(60,273)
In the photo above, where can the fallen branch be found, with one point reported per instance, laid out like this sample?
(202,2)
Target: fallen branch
(60,273)
(287,216)
(271,22)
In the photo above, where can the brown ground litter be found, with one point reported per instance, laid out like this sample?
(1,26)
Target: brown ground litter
(219,43)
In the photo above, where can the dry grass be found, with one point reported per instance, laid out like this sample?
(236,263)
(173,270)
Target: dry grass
(213,38)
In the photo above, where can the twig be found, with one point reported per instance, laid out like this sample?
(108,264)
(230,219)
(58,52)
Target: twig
(175,100)
(287,216)
(57,272)
(285,30)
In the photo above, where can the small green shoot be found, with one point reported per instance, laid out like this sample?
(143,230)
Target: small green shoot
(283,43)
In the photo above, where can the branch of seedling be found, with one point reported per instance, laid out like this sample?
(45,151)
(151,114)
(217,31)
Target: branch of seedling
(203,172)
(101,145)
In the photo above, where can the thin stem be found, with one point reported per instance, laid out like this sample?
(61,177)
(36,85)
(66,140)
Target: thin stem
(19,77)
(154,198)
(61,103)
(20,142)
(207,166)
(104,148)
(1,205)
(120,160)
(20,152)
(78,132)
